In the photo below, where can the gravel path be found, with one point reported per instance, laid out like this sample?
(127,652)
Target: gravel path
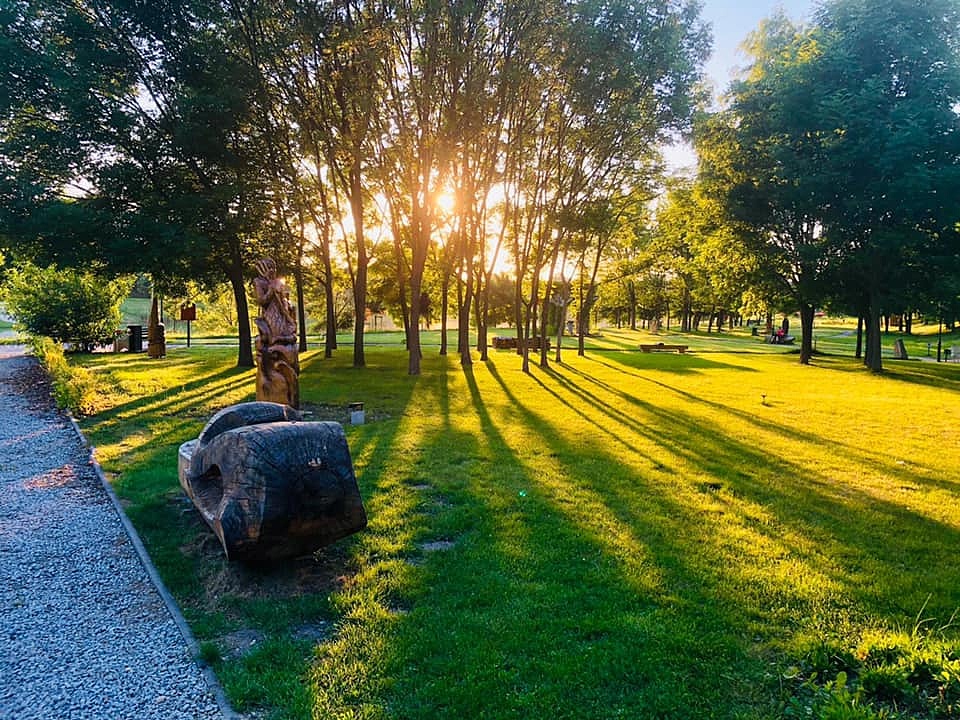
(84,632)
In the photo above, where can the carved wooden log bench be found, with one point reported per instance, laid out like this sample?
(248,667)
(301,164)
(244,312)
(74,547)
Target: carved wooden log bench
(269,485)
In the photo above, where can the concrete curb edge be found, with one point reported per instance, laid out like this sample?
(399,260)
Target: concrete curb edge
(179,620)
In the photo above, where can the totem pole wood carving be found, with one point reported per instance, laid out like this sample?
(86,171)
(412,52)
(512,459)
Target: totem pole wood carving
(278,363)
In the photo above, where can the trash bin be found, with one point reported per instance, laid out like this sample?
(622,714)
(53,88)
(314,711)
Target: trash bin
(136,338)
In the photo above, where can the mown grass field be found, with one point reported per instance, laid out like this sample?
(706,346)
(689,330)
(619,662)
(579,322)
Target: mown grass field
(622,535)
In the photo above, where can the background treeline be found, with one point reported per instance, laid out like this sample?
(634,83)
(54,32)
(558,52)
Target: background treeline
(186,138)
(470,163)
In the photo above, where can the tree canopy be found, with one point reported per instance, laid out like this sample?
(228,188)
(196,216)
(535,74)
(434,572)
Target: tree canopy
(439,145)
(182,139)
(838,154)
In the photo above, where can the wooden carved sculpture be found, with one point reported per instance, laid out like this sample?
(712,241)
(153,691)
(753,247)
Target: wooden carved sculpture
(156,335)
(278,363)
(270,486)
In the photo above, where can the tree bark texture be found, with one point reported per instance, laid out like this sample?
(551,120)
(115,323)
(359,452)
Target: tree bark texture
(245,351)
(360,277)
(806,333)
(872,357)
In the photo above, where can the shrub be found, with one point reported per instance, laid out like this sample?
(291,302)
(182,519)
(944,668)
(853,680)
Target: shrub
(71,306)
(74,388)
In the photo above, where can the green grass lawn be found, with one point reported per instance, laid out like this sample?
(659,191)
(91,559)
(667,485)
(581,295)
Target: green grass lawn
(622,535)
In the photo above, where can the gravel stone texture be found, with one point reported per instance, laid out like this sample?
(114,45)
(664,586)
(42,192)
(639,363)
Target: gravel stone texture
(84,633)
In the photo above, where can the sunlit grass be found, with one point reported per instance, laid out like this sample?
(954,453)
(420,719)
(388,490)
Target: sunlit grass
(622,535)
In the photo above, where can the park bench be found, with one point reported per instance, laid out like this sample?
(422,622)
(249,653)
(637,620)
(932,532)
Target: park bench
(661,347)
(503,343)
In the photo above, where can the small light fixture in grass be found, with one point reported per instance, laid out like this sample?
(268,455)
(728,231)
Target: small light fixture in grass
(763,398)
(357,415)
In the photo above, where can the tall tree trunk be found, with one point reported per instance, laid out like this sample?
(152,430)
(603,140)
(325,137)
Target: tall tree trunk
(413,331)
(360,315)
(418,260)
(587,300)
(859,353)
(545,312)
(322,223)
(872,357)
(301,311)
(459,310)
(245,352)
(519,313)
(444,310)
(483,319)
(806,333)
(544,321)
(530,322)
(561,323)
(463,323)
(330,341)
(360,277)
(477,316)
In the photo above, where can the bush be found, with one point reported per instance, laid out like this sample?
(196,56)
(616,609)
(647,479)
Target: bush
(68,306)
(74,388)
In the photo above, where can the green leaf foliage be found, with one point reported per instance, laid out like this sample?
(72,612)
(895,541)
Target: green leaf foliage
(840,152)
(69,306)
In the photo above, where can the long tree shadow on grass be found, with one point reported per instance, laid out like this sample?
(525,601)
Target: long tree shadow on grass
(858,540)
(676,363)
(550,605)
(171,396)
(867,457)
(286,607)
(927,374)
(853,542)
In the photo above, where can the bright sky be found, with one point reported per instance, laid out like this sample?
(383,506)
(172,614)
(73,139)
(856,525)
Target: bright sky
(732,21)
